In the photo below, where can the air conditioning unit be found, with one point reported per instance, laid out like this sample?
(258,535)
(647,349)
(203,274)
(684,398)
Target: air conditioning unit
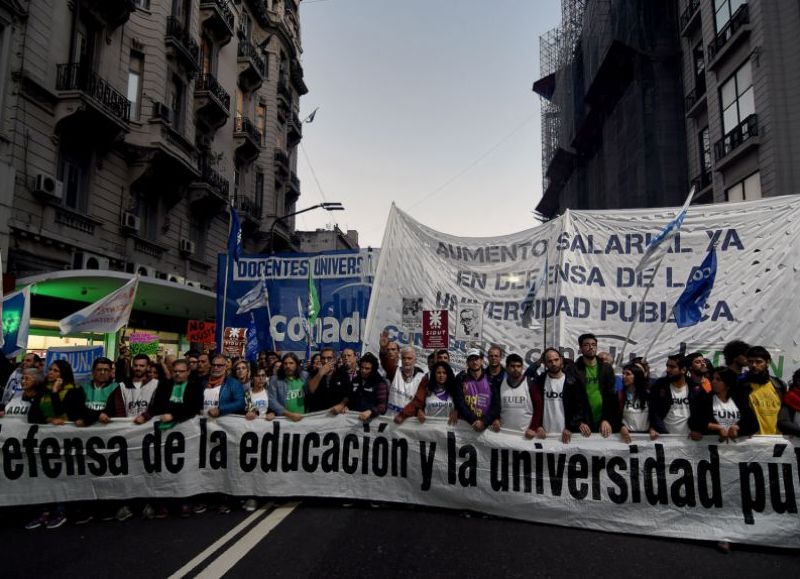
(162,275)
(162,111)
(186,246)
(179,279)
(48,187)
(86,260)
(193,283)
(130,221)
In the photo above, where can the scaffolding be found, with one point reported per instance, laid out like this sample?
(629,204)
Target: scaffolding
(556,52)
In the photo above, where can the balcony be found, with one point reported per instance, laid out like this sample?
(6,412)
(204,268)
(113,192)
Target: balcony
(294,131)
(258,8)
(209,193)
(181,46)
(89,104)
(249,212)
(281,164)
(702,186)
(737,28)
(737,141)
(112,13)
(252,65)
(213,103)
(247,139)
(690,17)
(696,99)
(296,76)
(293,192)
(217,19)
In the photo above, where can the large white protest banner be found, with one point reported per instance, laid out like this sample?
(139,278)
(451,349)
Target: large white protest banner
(592,284)
(743,492)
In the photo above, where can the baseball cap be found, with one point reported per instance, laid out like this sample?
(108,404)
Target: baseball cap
(474,352)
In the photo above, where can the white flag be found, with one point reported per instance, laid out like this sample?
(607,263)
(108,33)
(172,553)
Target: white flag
(257,297)
(106,316)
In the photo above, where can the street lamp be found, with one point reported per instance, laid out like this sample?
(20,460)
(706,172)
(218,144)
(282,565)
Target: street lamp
(327,206)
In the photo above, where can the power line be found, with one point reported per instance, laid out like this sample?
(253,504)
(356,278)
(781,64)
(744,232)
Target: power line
(316,180)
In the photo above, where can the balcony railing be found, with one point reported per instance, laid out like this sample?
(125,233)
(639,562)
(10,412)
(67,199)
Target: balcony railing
(688,14)
(248,50)
(739,19)
(176,30)
(214,180)
(82,78)
(208,82)
(698,92)
(222,6)
(742,132)
(246,126)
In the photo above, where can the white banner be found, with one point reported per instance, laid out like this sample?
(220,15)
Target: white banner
(743,492)
(592,285)
(105,316)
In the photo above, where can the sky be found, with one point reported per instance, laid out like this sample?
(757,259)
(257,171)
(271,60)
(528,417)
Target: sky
(424,103)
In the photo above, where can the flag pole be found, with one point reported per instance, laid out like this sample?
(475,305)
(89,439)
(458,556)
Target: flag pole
(225,285)
(269,318)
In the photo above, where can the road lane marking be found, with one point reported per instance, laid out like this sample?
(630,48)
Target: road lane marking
(236,552)
(183,571)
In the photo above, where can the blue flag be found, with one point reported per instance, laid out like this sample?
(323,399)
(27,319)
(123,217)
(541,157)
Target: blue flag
(689,308)
(252,348)
(235,236)
(651,254)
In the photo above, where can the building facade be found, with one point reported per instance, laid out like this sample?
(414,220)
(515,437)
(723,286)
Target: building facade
(741,73)
(128,126)
(642,100)
(327,239)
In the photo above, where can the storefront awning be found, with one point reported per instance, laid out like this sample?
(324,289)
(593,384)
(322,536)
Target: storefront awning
(154,296)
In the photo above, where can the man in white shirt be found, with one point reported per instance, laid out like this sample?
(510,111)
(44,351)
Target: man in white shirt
(516,398)
(562,399)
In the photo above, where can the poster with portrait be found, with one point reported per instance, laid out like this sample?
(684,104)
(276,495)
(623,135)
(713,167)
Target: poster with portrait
(412,314)
(469,323)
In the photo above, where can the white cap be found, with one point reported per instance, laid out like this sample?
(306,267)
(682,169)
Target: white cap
(474,352)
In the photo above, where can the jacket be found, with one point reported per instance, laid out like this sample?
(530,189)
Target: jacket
(661,401)
(576,403)
(191,406)
(332,390)
(69,403)
(231,397)
(370,394)
(279,389)
(608,389)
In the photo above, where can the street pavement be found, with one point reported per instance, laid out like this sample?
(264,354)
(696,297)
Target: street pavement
(325,539)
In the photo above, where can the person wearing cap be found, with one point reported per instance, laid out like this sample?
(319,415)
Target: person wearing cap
(475,399)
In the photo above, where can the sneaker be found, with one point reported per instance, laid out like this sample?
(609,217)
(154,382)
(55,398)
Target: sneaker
(250,505)
(56,521)
(223,509)
(39,521)
(83,519)
(199,509)
(162,513)
(123,514)
(186,511)
(149,512)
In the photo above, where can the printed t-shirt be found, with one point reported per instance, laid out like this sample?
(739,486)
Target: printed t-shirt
(438,403)
(96,398)
(516,406)
(554,404)
(677,419)
(478,394)
(634,414)
(593,392)
(766,404)
(726,414)
(259,401)
(211,398)
(295,396)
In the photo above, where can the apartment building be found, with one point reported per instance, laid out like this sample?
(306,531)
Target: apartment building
(741,73)
(642,100)
(128,126)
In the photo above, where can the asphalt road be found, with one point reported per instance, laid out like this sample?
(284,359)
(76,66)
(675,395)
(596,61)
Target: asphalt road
(324,539)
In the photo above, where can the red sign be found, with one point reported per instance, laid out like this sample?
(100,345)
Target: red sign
(434,329)
(234,342)
(201,332)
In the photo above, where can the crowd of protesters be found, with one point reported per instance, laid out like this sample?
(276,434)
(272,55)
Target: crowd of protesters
(552,397)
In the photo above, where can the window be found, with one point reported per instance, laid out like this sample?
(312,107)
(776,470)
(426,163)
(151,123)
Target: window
(142,4)
(176,98)
(73,172)
(147,210)
(182,10)
(705,154)
(699,69)
(207,56)
(736,98)
(245,26)
(198,232)
(745,190)
(724,9)
(135,85)
(259,200)
(261,121)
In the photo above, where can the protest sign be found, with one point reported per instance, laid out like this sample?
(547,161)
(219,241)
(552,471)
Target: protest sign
(412,314)
(16,312)
(275,290)
(234,342)
(434,329)
(673,487)
(80,358)
(200,332)
(591,282)
(104,316)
